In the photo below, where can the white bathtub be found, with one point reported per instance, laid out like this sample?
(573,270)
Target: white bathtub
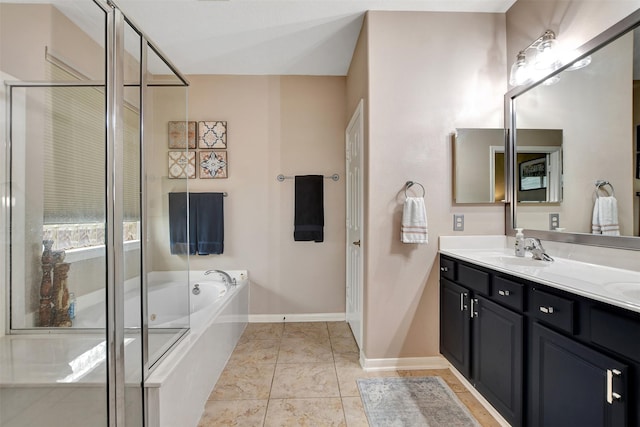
(169,301)
(35,372)
(219,315)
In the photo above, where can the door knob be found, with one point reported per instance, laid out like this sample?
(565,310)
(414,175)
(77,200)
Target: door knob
(357,243)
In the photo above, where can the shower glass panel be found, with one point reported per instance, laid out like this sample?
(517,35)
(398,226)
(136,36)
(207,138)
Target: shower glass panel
(53,362)
(90,296)
(168,131)
(130,201)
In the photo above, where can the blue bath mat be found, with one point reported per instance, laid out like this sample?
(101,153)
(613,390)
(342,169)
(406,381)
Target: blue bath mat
(413,402)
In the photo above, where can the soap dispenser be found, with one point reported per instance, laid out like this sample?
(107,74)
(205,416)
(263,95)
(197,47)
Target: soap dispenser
(519,242)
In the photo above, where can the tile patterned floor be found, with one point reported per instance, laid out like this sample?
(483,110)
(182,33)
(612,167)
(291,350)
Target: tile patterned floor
(302,374)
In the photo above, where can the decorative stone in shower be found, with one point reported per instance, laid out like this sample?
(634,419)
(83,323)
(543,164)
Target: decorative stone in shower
(54,293)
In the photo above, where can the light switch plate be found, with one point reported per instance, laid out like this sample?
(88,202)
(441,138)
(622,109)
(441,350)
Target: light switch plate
(554,221)
(458,222)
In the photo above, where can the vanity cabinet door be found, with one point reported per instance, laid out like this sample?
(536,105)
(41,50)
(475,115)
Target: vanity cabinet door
(455,336)
(497,357)
(574,385)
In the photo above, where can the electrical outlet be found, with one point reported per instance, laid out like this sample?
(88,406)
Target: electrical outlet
(554,221)
(458,222)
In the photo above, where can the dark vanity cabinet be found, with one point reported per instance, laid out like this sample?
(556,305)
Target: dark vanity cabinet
(571,384)
(582,365)
(541,356)
(455,327)
(481,338)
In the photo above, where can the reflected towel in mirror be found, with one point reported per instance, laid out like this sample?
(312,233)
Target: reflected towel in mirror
(605,216)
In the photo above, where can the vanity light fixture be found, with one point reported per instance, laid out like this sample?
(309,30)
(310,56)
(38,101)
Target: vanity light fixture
(546,60)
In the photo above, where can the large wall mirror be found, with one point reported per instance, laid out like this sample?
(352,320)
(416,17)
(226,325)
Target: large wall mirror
(597,109)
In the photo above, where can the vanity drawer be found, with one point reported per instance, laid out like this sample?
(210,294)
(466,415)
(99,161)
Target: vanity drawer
(448,268)
(473,279)
(615,332)
(508,292)
(553,310)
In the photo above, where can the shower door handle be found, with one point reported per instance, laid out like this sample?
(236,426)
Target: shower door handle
(357,243)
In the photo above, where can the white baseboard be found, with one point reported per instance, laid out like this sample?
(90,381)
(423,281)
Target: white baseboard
(287,318)
(494,413)
(403,363)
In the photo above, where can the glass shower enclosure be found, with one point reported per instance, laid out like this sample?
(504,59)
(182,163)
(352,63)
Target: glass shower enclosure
(84,190)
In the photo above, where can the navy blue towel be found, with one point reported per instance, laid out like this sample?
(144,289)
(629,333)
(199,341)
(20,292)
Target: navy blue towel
(309,209)
(180,243)
(205,223)
(208,221)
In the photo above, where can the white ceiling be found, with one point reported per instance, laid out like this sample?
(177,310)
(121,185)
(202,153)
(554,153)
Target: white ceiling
(303,37)
(268,37)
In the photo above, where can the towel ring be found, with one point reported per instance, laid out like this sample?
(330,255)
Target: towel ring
(410,184)
(599,184)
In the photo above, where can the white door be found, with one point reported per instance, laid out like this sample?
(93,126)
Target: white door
(354,158)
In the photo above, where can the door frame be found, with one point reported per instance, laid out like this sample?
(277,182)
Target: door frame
(357,119)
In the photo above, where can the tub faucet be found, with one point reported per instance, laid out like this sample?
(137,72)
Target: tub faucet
(534,246)
(225,276)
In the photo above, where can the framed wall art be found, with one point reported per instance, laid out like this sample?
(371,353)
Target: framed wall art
(213,164)
(182,135)
(212,134)
(182,164)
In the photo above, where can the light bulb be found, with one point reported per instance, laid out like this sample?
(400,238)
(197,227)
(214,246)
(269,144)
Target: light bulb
(519,74)
(547,57)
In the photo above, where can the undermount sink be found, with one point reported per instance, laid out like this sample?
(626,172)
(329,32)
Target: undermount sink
(629,290)
(518,261)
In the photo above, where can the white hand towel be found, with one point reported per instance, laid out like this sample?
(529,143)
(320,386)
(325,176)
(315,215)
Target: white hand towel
(605,217)
(414,221)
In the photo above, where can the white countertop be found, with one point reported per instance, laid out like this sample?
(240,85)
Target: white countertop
(615,286)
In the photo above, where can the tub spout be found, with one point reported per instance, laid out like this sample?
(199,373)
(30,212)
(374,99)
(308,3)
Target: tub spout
(225,276)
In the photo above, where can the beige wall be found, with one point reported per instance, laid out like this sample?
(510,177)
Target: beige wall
(40,26)
(428,74)
(290,125)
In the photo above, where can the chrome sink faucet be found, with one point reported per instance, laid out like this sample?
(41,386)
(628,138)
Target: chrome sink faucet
(225,276)
(534,246)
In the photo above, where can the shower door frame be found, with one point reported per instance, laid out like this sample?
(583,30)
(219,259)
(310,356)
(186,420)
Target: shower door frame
(113,85)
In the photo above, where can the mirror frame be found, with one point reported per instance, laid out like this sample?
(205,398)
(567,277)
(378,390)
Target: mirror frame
(622,242)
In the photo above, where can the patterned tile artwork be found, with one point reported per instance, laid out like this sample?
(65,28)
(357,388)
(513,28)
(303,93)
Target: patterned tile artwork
(182,164)
(182,134)
(212,134)
(213,164)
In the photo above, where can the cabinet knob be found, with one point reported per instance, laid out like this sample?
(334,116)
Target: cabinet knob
(504,293)
(445,269)
(547,310)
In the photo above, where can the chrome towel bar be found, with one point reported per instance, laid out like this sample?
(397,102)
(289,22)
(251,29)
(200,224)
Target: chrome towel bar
(334,177)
